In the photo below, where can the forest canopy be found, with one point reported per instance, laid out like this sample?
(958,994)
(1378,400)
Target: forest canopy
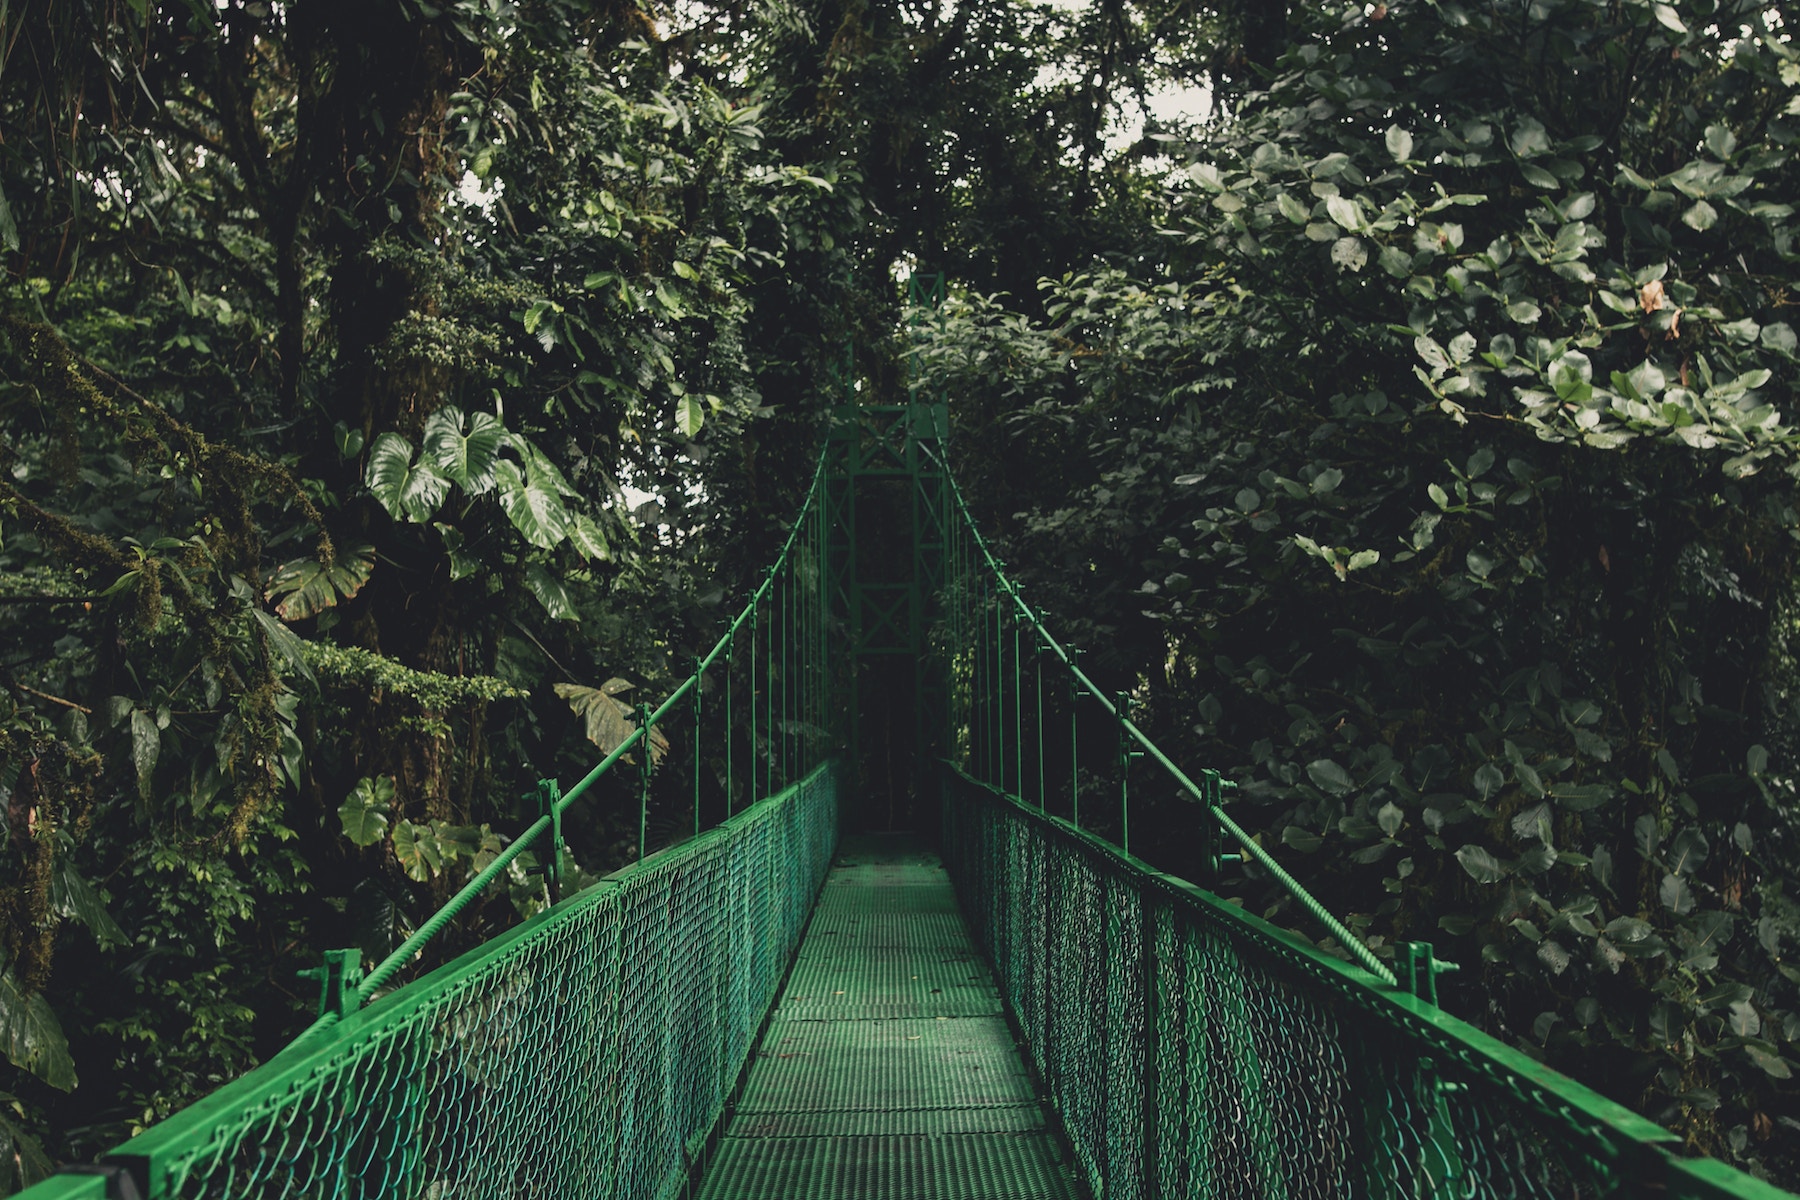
(386,389)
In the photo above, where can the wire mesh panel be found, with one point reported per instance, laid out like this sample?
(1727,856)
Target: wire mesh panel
(1193,1050)
(587,1053)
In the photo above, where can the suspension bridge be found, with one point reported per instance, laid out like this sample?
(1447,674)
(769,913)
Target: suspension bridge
(1001,1005)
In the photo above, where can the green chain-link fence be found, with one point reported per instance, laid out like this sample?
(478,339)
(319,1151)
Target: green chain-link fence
(1191,1049)
(589,1052)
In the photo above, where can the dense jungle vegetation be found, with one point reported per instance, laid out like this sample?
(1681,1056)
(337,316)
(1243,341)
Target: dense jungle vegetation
(1407,431)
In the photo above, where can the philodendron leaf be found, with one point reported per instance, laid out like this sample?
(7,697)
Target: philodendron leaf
(588,538)
(408,490)
(310,587)
(364,811)
(464,448)
(608,720)
(417,849)
(32,1037)
(535,509)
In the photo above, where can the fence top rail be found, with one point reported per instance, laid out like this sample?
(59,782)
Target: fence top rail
(305,1063)
(1613,1132)
(1208,800)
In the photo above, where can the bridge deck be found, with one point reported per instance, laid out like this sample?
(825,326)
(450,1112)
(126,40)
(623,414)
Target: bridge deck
(888,1071)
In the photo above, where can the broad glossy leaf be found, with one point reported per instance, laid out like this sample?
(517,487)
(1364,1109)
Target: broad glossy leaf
(1344,212)
(1688,851)
(408,490)
(1390,818)
(1743,1019)
(146,745)
(588,538)
(461,565)
(1537,176)
(690,415)
(1700,217)
(1303,840)
(417,849)
(1530,139)
(1399,143)
(32,1037)
(1482,866)
(550,592)
(286,643)
(535,510)
(1773,1065)
(74,898)
(607,720)
(1329,776)
(464,448)
(310,587)
(1676,895)
(24,1158)
(539,467)
(364,811)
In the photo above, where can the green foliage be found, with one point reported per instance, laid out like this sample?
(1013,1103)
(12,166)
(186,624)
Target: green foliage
(365,671)
(307,587)
(290,510)
(364,811)
(609,721)
(1441,445)
(32,1036)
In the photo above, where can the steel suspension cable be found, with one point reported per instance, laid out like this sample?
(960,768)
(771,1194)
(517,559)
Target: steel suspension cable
(377,978)
(1080,681)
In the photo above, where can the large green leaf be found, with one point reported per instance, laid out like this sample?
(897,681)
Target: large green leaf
(588,538)
(311,587)
(146,745)
(608,720)
(531,501)
(417,849)
(22,1159)
(690,415)
(550,592)
(32,1036)
(1330,776)
(540,470)
(406,489)
(1481,865)
(75,899)
(364,811)
(464,455)
(286,643)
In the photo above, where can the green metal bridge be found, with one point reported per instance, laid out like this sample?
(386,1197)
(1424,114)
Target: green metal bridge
(1003,1007)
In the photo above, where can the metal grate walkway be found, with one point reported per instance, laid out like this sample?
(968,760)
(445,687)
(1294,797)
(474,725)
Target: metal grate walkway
(888,1071)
